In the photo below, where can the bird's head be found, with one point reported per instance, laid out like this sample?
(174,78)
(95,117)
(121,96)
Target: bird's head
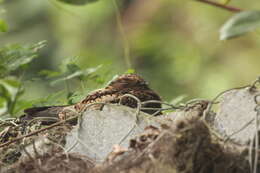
(131,81)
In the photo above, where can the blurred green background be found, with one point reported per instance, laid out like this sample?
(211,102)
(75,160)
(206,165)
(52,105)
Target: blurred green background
(173,44)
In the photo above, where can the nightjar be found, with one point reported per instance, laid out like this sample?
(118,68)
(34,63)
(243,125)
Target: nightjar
(131,84)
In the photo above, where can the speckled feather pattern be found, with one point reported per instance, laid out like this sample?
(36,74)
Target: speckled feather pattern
(124,84)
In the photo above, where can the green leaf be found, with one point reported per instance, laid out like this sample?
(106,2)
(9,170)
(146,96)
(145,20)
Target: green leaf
(16,56)
(74,97)
(10,90)
(77,2)
(130,71)
(22,105)
(11,86)
(239,24)
(71,67)
(50,99)
(74,74)
(3,26)
(3,106)
(49,73)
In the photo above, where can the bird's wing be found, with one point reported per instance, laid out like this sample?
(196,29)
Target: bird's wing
(48,114)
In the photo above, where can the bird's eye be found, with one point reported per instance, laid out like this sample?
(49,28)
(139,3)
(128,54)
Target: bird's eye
(144,83)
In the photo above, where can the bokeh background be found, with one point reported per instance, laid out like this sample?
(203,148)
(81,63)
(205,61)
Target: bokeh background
(173,44)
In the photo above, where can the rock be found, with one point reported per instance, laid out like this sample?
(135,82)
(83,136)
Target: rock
(236,115)
(98,131)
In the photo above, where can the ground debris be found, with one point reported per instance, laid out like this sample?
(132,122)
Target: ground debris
(54,160)
(186,147)
(180,142)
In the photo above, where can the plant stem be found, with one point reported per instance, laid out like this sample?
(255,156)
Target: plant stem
(123,35)
(216,4)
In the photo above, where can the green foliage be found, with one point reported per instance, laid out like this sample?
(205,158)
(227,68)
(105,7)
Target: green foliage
(50,99)
(240,24)
(130,71)
(77,2)
(68,71)
(73,71)
(10,91)
(3,26)
(14,57)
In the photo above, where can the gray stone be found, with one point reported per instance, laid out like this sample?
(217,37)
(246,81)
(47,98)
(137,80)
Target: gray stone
(236,115)
(98,131)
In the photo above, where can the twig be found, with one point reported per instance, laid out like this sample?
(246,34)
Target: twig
(157,109)
(42,118)
(208,109)
(191,102)
(26,152)
(38,167)
(71,147)
(150,145)
(213,101)
(196,151)
(253,85)
(239,130)
(123,35)
(35,150)
(222,6)
(172,107)
(86,108)
(256,142)
(9,121)
(257,110)
(209,106)
(61,147)
(38,131)
(138,109)
(164,103)
(250,160)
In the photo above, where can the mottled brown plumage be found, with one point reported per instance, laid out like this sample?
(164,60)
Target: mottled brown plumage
(125,84)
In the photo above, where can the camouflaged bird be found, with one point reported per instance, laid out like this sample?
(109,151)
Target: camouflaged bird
(115,92)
